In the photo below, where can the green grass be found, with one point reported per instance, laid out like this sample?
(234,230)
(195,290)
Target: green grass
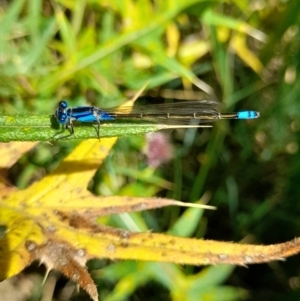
(101,54)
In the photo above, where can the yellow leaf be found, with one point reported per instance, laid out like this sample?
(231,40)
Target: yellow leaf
(191,51)
(54,222)
(239,45)
(173,38)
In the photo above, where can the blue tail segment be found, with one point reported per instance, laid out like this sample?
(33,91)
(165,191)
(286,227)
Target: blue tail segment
(247,115)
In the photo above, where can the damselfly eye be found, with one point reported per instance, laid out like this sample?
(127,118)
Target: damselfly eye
(62,118)
(63,104)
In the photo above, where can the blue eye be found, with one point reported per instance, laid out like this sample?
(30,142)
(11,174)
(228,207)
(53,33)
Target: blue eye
(63,104)
(61,118)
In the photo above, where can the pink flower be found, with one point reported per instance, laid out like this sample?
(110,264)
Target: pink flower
(158,149)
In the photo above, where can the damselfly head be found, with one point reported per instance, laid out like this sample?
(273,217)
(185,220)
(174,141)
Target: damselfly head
(60,112)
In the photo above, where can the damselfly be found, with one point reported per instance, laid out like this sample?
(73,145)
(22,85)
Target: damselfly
(177,113)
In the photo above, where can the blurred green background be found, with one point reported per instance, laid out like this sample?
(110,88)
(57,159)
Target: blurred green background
(244,53)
